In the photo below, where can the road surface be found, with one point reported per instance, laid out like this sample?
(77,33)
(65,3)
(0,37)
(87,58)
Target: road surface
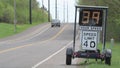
(38,47)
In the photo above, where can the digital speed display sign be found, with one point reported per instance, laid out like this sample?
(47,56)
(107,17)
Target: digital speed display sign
(91,17)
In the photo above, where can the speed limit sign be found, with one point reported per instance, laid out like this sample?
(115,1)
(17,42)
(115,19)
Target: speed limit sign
(89,40)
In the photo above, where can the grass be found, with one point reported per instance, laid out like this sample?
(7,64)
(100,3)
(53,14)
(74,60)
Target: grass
(8,29)
(115,62)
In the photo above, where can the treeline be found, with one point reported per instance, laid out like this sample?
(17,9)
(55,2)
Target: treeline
(22,11)
(113,21)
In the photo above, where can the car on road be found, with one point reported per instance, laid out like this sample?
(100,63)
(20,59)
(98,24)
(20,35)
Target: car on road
(55,22)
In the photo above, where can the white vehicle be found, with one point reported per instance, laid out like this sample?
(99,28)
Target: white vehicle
(55,22)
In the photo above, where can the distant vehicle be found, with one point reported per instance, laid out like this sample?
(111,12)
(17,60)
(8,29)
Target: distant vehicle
(55,22)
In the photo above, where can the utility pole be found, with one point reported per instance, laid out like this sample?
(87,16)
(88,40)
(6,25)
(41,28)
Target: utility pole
(42,11)
(15,21)
(55,9)
(67,11)
(42,4)
(64,11)
(30,9)
(48,10)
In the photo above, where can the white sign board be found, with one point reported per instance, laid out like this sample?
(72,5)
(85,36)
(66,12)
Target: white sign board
(89,40)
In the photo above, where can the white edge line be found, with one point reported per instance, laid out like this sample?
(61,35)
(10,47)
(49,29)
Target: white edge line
(36,65)
(36,34)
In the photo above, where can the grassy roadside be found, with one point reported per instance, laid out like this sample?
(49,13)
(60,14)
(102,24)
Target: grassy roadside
(115,62)
(8,29)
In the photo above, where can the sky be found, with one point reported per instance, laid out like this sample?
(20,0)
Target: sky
(60,9)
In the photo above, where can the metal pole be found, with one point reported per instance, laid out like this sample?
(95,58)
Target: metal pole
(104,29)
(30,9)
(74,29)
(55,9)
(48,10)
(15,21)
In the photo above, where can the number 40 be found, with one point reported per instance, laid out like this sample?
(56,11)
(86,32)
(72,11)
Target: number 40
(92,44)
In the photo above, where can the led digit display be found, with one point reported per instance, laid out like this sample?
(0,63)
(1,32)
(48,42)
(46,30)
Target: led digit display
(91,17)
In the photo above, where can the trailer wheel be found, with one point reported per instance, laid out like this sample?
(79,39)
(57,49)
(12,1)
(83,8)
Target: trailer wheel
(59,25)
(108,60)
(69,53)
(68,59)
(108,56)
(52,25)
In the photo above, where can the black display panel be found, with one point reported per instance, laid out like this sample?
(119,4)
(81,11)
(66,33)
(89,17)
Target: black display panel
(91,17)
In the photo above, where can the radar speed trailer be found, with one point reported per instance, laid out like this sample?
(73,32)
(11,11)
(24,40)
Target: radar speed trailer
(92,23)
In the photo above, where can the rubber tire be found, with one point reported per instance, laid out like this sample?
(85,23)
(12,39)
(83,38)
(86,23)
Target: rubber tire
(52,25)
(108,60)
(68,59)
(59,25)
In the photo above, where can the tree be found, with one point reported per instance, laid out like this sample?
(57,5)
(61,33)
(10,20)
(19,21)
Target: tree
(22,11)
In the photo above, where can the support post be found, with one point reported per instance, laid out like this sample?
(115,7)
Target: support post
(74,30)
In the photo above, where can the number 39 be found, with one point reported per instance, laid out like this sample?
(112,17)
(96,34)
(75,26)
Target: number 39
(87,14)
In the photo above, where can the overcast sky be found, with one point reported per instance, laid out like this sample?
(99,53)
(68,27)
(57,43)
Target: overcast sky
(60,10)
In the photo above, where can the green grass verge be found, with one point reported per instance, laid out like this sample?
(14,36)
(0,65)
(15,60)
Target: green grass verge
(8,29)
(115,62)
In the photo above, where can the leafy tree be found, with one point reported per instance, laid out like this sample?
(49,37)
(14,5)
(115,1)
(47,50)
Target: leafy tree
(22,11)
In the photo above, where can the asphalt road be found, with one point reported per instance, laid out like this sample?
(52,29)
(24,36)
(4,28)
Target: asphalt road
(38,47)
